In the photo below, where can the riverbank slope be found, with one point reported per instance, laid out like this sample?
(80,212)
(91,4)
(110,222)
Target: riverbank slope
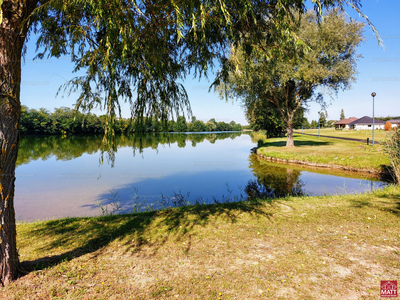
(332,247)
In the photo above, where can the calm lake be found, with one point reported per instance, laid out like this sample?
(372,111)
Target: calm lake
(64,177)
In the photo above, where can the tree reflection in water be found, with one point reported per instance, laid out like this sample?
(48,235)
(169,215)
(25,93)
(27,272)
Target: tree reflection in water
(272,181)
(71,147)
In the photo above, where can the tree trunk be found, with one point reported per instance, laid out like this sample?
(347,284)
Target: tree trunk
(289,131)
(12,36)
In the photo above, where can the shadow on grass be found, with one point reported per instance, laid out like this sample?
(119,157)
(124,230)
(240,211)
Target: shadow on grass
(391,205)
(80,236)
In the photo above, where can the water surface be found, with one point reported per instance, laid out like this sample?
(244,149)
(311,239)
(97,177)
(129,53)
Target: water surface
(63,176)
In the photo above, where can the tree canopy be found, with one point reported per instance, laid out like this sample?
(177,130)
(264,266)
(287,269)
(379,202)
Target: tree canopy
(262,115)
(294,78)
(342,114)
(322,119)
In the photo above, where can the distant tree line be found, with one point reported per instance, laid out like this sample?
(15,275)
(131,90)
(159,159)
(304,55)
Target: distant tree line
(71,147)
(65,121)
(388,118)
(269,120)
(323,122)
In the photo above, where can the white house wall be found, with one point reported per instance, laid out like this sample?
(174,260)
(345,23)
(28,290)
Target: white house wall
(366,127)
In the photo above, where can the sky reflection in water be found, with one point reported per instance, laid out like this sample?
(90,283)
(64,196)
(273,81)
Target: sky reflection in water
(62,177)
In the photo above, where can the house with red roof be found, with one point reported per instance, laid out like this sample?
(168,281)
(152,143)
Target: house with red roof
(344,123)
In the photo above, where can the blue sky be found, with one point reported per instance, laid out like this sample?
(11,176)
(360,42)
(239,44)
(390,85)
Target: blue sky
(378,71)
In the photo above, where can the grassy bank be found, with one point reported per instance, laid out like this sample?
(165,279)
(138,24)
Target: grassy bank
(327,151)
(336,247)
(380,135)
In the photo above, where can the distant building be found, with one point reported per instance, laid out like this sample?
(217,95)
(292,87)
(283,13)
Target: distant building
(394,122)
(366,123)
(344,123)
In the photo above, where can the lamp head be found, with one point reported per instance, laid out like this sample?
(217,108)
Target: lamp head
(373,94)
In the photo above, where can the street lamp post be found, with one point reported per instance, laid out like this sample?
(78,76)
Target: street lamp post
(373,94)
(319,126)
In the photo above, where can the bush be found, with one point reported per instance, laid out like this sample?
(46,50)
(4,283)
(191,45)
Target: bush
(259,137)
(388,126)
(392,148)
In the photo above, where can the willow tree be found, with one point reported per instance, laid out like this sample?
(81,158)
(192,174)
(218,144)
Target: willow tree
(134,51)
(292,77)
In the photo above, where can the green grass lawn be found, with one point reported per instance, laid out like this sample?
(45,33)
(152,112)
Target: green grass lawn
(327,151)
(380,135)
(332,247)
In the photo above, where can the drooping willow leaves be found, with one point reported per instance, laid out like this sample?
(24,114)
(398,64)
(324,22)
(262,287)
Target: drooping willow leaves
(140,51)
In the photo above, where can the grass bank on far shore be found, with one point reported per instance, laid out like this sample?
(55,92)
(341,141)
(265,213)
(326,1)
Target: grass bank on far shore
(327,151)
(332,247)
(380,135)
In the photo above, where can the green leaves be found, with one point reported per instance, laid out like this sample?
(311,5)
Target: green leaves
(179,21)
(392,148)
(139,52)
(286,68)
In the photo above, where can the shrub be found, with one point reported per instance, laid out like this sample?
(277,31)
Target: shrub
(259,137)
(392,148)
(388,126)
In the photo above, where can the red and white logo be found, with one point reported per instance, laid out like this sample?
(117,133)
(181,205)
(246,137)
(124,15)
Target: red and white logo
(389,288)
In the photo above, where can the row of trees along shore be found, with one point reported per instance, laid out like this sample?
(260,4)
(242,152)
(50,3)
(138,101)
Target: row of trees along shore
(65,120)
(138,52)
